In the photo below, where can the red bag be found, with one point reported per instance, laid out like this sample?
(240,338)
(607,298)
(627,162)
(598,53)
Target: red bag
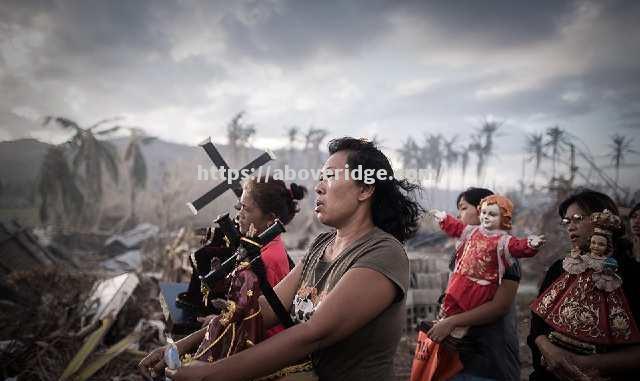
(433,362)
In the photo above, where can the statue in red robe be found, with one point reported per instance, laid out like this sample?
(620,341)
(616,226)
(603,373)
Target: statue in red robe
(586,305)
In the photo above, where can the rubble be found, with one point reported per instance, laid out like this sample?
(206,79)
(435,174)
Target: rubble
(20,250)
(40,339)
(95,320)
(129,261)
(132,239)
(429,276)
(108,297)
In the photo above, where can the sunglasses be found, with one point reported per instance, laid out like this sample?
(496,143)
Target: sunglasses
(576,219)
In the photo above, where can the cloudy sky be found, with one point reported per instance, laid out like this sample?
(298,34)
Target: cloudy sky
(393,69)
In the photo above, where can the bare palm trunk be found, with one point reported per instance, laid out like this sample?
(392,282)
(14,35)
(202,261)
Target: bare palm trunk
(96,226)
(132,196)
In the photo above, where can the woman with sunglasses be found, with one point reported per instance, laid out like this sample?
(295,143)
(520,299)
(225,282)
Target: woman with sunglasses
(551,362)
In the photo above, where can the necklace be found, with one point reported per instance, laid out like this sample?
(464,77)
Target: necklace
(337,259)
(329,267)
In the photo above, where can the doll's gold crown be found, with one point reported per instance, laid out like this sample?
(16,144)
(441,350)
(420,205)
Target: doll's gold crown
(605,222)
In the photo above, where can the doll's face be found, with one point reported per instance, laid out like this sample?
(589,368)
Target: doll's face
(598,245)
(490,216)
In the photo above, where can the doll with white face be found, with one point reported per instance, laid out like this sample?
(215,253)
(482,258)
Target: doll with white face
(599,246)
(490,216)
(600,260)
(486,251)
(598,251)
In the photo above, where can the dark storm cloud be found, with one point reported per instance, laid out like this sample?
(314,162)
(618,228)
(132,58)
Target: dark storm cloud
(115,47)
(494,23)
(296,30)
(631,119)
(621,90)
(114,57)
(120,55)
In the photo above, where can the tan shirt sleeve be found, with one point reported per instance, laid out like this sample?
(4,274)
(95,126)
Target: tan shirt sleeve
(389,258)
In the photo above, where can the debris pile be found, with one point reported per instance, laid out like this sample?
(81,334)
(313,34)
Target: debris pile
(90,318)
(76,330)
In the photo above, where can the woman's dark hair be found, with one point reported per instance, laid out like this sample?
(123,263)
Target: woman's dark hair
(273,196)
(589,201)
(395,212)
(473,195)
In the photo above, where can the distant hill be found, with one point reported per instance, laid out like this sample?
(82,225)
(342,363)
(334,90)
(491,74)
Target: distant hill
(21,161)
(172,180)
(170,165)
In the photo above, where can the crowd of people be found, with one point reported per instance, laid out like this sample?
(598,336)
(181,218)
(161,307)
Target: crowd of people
(346,297)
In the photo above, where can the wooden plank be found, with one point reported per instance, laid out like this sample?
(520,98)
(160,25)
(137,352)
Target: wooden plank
(87,348)
(104,358)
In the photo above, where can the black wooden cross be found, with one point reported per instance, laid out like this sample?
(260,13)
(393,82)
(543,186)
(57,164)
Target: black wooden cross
(235,186)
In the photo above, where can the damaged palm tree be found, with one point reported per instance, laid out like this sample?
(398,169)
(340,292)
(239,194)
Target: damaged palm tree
(535,148)
(555,137)
(138,172)
(620,148)
(62,201)
(88,156)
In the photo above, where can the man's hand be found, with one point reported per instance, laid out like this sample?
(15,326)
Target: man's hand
(441,330)
(153,363)
(193,371)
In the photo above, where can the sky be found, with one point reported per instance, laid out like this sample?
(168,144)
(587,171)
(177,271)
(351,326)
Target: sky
(391,69)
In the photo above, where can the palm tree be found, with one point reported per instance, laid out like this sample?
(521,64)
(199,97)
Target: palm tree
(450,156)
(464,162)
(535,147)
(292,134)
(233,131)
(312,140)
(409,153)
(432,154)
(246,134)
(62,201)
(481,146)
(476,147)
(89,156)
(137,165)
(620,147)
(555,136)
(487,130)
(314,137)
(239,135)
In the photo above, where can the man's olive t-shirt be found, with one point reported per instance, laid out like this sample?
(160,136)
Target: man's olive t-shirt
(367,354)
